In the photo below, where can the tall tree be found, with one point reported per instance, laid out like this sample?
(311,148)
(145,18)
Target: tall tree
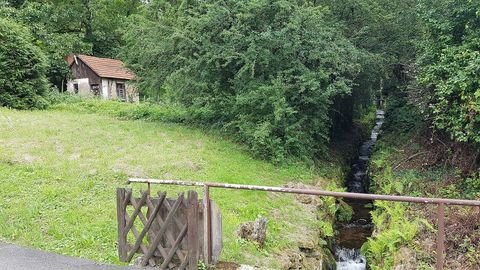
(58,32)
(22,68)
(74,26)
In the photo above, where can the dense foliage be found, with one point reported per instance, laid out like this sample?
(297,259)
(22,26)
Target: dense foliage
(266,71)
(450,67)
(282,76)
(22,68)
(60,28)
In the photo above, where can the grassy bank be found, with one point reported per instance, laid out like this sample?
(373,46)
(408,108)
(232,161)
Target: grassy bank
(60,169)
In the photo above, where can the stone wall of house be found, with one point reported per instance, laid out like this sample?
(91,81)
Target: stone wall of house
(83,87)
(109,90)
(132,93)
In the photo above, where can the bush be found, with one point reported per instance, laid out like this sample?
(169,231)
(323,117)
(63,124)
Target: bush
(402,117)
(264,71)
(55,97)
(455,106)
(22,68)
(450,65)
(472,187)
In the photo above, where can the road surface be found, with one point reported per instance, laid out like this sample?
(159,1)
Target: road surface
(13,257)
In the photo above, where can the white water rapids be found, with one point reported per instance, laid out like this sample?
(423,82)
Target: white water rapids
(350,259)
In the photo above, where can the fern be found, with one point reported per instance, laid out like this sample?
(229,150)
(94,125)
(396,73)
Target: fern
(394,230)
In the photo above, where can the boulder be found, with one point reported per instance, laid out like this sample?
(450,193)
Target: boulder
(254,231)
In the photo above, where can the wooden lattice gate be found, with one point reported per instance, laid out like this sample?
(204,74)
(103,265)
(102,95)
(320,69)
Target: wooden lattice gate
(168,232)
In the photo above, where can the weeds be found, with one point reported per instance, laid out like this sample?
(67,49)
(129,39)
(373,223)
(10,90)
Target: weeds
(393,229)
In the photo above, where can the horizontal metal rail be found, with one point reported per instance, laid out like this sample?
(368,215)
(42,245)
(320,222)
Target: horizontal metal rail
(441,202)
(351,195)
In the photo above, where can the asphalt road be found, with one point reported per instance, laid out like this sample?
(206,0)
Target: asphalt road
(13,257)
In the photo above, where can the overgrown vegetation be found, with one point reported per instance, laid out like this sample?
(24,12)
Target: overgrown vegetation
(126,111)
(264,71)
(392,231)
(22,68)
(407,163)
(395,226)
(449,65)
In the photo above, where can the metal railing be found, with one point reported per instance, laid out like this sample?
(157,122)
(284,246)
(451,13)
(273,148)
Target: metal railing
(440,245)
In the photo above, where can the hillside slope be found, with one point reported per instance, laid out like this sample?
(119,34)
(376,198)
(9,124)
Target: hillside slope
(59,171)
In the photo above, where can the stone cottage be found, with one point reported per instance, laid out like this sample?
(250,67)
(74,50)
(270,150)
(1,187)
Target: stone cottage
(101,77)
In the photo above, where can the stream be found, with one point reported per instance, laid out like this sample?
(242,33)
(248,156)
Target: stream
(351,235)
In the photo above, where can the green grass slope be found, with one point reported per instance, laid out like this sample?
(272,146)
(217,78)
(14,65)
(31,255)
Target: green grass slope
(59,171)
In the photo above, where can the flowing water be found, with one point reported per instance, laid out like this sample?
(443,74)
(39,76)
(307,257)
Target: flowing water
(352,234)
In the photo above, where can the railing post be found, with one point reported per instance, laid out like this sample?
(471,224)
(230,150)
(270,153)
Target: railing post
(207,226)
(440,235)
(192,231)
(122,238)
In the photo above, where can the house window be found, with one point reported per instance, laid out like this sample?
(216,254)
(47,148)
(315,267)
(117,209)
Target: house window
(121,91)
(75,88)
(95,89)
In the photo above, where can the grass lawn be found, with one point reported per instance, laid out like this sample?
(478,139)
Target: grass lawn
(59,171)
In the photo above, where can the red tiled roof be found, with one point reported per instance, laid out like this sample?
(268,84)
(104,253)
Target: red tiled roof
(105,67)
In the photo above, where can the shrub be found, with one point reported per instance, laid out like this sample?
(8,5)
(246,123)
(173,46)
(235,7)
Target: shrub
(22,68)
(449,66)
(402,116)
(264,71)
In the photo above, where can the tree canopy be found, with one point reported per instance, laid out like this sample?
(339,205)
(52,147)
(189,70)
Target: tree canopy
(22,68)
(281,76)
(266,71)
(60,28)
(449,66)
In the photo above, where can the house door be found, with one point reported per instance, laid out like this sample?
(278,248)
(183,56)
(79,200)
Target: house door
(121,91)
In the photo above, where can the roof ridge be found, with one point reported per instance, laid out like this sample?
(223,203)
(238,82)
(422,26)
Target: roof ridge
(106,67)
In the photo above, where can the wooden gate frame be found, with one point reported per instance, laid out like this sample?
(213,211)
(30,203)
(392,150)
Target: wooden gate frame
(156,228)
